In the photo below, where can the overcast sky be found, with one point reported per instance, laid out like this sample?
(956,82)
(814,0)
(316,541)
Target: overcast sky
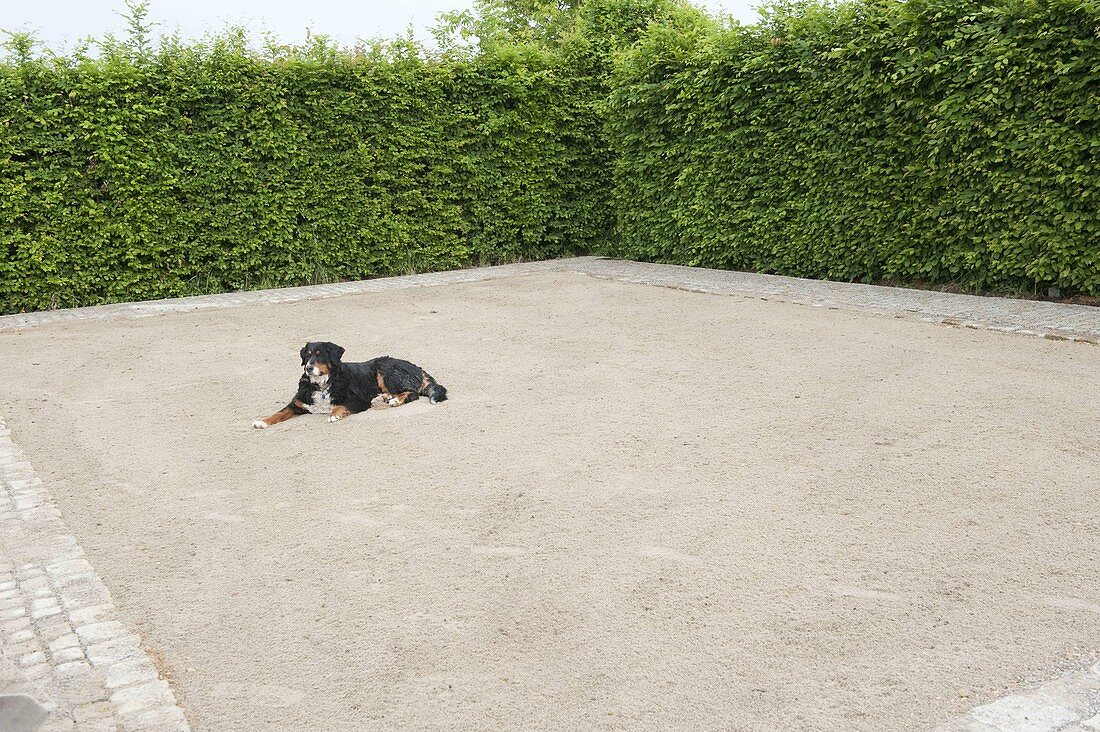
(59,23)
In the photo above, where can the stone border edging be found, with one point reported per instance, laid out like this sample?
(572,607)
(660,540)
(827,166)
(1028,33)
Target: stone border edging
(63,641)
(1056,321)
(150,308)
(1024,317)
(1067,704)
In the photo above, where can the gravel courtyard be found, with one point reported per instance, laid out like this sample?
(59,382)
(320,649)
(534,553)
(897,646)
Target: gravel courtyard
(642,509)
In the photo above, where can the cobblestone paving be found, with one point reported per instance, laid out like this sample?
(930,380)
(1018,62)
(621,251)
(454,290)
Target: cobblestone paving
(263,297)
(66,644)
(63,640)
(1068,704)
(1023,317)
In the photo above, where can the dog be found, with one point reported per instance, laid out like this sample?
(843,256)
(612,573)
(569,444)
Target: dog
(330,386)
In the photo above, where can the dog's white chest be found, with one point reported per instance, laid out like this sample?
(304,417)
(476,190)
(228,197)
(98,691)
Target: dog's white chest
(322,402)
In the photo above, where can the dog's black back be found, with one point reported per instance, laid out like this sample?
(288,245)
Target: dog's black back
(385,375)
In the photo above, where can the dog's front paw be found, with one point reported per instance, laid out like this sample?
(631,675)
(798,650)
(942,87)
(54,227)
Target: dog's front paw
(259,424)
(393,401)
(335,418)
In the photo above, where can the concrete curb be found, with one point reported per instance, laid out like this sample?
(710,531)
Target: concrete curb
(150,308)
(1068,704)
(1023,317)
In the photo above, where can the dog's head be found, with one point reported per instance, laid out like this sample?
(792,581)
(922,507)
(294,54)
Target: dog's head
(319,357)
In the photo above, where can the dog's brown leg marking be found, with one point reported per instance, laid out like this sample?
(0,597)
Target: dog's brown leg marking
(402,397)
(281,416)
(425,382)
(340,411)
(381,384)
(298,403)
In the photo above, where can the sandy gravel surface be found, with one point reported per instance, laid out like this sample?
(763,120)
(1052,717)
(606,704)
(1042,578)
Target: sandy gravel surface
(642,509)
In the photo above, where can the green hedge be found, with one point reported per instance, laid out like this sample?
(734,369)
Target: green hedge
(146,174)
(929,140)
(872,140)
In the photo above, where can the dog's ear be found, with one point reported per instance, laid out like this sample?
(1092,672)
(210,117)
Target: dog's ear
(334,352)
(303,352)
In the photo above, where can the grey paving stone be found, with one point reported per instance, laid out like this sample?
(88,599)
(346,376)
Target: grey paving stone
(114,651)
(44,577)
(99,632)
(70,640)
(1067,703)
(1089,725)
(1055,320)
(134,671)
(142,698)
(21,713)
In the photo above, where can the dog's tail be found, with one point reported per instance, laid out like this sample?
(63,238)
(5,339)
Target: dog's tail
(437,393)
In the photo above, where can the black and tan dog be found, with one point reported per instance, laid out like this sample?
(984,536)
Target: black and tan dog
(330,386)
